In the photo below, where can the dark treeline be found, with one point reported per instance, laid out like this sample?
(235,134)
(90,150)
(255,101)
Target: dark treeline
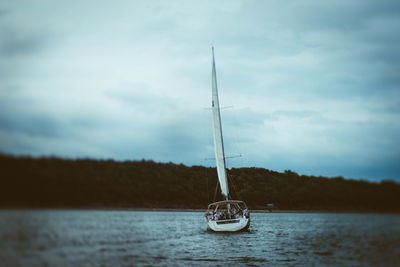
(54,182)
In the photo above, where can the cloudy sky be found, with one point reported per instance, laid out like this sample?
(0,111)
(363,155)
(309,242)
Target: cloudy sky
(310,86)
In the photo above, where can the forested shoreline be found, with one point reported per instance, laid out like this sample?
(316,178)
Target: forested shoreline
(54,182)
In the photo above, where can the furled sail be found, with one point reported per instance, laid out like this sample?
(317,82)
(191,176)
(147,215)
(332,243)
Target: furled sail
(218,141)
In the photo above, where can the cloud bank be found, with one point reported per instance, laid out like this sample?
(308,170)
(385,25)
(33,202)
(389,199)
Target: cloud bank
(315,85)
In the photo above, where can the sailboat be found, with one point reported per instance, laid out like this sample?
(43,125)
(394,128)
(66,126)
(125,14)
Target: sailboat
(227,215)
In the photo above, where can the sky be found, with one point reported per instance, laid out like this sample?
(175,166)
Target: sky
(308,86)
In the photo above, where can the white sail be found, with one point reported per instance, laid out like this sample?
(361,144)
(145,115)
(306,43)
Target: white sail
(218,141)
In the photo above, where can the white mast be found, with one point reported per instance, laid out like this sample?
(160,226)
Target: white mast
(218,141)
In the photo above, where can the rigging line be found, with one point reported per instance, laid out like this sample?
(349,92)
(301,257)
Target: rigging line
(216,189)
(229,157)
(220,108)
(208,194)
(234,187)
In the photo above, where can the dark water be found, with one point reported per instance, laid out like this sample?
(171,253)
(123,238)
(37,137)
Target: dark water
(129,238)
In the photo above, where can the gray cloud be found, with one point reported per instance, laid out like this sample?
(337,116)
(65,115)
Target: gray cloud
(3,13)
(314,85)
(34,125)
(12,44)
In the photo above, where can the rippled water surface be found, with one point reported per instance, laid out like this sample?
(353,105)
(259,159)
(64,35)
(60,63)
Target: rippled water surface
(132,238)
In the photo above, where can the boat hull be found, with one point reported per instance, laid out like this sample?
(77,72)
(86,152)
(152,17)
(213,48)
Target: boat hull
(233,225)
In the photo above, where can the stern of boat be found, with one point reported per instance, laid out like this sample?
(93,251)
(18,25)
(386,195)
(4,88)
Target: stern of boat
(228,216)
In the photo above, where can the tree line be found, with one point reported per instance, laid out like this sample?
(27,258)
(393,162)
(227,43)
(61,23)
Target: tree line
(55,182)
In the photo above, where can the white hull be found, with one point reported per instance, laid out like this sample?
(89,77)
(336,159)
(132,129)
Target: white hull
(231,225)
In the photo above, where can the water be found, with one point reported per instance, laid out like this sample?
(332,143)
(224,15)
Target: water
(131,238)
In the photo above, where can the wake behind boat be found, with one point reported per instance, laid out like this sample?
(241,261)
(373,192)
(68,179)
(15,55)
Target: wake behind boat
(228,215)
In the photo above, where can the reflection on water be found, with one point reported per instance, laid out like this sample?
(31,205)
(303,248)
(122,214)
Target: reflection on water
(111,238)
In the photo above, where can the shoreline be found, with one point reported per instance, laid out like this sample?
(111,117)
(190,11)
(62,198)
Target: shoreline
(188,210)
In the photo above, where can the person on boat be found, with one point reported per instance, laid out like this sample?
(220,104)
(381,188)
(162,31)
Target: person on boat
(245,213)
(232,213)
(240,213)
